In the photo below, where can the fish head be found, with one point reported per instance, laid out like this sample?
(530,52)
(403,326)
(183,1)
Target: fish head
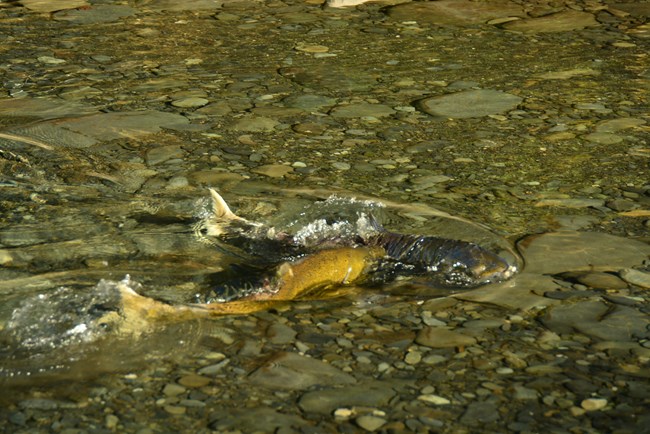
(475,266)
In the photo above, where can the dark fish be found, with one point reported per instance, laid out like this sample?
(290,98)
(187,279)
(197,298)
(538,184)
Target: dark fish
(453,263)
(448,262)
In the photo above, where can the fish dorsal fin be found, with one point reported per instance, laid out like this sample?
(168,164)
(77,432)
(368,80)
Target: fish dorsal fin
(220,208)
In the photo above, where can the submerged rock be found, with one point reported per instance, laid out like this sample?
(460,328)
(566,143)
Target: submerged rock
(557,252)
(291,371)
(469,104)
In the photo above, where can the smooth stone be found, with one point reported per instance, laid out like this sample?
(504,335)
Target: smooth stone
(175,409)
(614,125)
(254,420)
(291,371)
(557,252)
(455,12)
(255,124)
(543,369)
(519,293)
(601,280)
(329,77)
(185,5)
(191,102)
(273,170)
(281,334)
(195,403)
(571,203)
(173,389)
(177,182)
(214,369)
(311,48)
(522,393)
(325,401)
(369,422)
(559,22)
(439,337)
(119,125)
(598,320)
(603,138)
(275,112)
(630,275)
(413,357)
(219,108)
(340,165)
(311,128)
(213,177)
(44,107)
(621,204)
(636,9)
(360,110)
(469,104)
(309,102)
(434,399)
(111,422)
(568,73)
(98,13)
(480,412)
(47,6)
(52,134)
(194,381)
(163,153)
(574,222)
(50,60)
(39,404)
(593,404)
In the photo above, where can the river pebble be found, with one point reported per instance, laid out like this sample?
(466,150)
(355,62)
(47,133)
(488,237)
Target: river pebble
(470,104)
(636,277)
(439,337)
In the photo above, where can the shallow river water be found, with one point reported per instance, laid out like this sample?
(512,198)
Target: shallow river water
(527,118)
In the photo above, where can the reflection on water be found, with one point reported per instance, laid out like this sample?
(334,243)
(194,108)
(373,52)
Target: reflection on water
(60,296)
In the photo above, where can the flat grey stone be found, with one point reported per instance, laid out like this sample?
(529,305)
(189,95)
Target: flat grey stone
(360,395)
(43,107)
(440,337)
(598,320)
(571,203)
(361,110)
(50,133)
(255,124)
(291,371)
(191,102)
(455,12)
(469,104)
(557,252)
(636,277)
(47,6)
(99,13)
(559,22)
(309,102)
(478,413)
(369,422)
(614,125)
(185,5)
(603,138)
(254,419)
(115,125)
(523,292)
(281,334)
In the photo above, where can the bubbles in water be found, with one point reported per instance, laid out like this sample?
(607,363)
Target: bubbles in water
(65,316)
(346,219)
